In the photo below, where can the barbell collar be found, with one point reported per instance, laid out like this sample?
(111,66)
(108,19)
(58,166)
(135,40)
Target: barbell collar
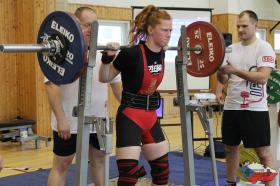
(25,48)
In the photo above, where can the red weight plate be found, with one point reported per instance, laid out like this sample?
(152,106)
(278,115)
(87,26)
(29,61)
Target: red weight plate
(205,35)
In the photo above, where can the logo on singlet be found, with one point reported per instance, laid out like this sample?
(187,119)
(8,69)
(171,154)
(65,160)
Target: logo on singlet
(155,68)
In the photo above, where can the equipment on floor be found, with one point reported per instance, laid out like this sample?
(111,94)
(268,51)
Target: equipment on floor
(20,130)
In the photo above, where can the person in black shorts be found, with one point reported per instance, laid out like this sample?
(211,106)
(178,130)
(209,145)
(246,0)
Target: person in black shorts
(245,118)
(62,99)
(141,67)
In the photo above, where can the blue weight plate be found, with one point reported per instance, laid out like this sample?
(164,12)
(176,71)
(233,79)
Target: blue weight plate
(69,69)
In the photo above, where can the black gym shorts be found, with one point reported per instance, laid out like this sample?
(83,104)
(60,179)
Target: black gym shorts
(130,133)
(63,147)
(252,127)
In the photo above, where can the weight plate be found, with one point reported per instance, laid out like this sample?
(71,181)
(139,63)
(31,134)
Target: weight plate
(205,35)
(69,69)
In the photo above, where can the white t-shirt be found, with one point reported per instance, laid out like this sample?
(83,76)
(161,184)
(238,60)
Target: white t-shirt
(248,58)
(69,96)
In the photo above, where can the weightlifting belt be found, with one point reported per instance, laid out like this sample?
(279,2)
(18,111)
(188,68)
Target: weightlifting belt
(140,101)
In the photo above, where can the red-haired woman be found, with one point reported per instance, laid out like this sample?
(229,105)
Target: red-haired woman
(141,67)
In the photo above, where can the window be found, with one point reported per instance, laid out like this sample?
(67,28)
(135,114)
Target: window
(113,31)
(261,34)
(277,41)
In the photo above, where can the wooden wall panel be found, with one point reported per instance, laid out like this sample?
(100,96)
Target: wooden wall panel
(32,98)
(43,112)
(106,12)
(221,22)
(8,76)
(25,61)
(22,93)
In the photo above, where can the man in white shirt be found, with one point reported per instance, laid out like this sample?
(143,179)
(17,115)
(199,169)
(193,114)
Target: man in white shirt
(245,118)
(62,100)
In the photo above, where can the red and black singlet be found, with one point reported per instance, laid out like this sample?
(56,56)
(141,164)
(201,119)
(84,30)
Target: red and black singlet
(137,66)
(142,72)
(150,80)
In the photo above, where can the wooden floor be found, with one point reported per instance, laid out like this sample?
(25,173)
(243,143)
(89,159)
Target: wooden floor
(21,158)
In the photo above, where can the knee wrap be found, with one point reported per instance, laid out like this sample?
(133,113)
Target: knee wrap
(160,170)
(129,172)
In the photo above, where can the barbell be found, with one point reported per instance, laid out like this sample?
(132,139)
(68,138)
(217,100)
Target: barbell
(62,52)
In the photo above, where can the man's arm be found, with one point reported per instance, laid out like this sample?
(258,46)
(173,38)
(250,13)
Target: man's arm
(222,80)
(259,77)
(54,95)
(221,77)
(117,90)
(219,93)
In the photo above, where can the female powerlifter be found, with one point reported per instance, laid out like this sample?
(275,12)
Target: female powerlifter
(141,67)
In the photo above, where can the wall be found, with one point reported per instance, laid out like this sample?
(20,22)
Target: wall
(8,75)
(268,9)
(22,90)
(122,14)
(160,3)
(41,9)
